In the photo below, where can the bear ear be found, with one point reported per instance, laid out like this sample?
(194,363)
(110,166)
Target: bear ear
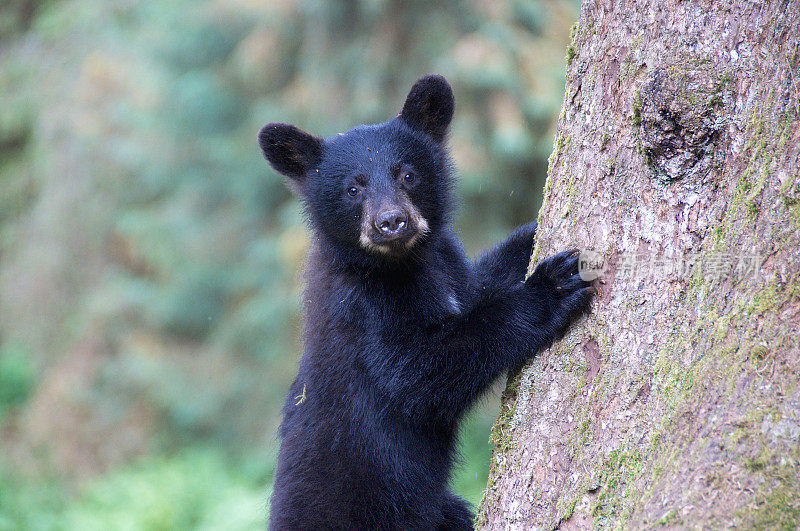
(289,150)
(429,106)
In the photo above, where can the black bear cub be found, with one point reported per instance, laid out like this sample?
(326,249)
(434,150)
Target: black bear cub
(402,331)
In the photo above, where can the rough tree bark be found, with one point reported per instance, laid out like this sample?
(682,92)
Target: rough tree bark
(676,402)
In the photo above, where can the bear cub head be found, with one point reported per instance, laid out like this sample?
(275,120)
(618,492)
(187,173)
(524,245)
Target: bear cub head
(377,192)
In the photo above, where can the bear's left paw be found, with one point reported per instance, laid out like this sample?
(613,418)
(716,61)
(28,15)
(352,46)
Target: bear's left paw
(566,294)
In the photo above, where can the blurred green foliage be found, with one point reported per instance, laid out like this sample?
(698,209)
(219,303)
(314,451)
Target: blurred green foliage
(16,376)
(199,489)
(149,258)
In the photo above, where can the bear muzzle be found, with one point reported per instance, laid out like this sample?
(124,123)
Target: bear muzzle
(393,232)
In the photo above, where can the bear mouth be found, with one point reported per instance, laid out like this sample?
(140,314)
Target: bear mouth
(394,244)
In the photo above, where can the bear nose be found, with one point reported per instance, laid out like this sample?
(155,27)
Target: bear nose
(391,221)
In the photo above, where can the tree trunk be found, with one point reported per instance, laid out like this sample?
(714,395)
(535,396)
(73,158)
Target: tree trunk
(676,158)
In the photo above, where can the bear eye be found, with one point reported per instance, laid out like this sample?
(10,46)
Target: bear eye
(352,191)
(409,177)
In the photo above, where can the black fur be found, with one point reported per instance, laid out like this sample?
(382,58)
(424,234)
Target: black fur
(400,339)
(291,151)
(429,106)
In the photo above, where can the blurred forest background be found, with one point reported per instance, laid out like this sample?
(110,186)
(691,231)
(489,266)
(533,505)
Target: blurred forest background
(149,258)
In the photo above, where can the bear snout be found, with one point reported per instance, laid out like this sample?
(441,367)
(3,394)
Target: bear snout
(391,222)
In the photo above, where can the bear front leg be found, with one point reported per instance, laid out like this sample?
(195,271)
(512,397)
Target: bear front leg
(507,263)
(457,363)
